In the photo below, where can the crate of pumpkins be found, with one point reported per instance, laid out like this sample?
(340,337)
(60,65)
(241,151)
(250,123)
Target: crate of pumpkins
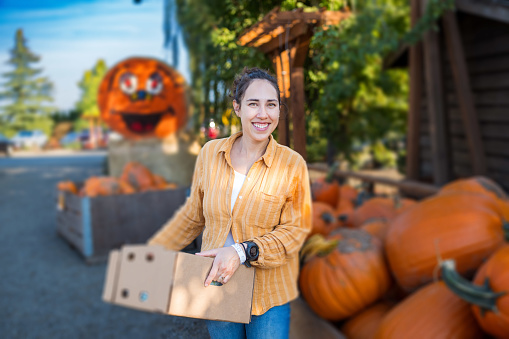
(390,267)
(104,213)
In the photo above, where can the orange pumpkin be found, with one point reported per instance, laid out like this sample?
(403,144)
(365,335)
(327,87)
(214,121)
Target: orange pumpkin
(377,227)
(347,274)
(431,312)
(138,176)
(464,227)
(67,186)
(347,192)
(365,324)
(142,97)
(345,208)
(377,207)
(324,219)
(101,186)
(489,293)
(480,185)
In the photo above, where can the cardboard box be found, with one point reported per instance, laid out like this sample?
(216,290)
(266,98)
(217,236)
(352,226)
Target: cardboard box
(95,226)
(153,279)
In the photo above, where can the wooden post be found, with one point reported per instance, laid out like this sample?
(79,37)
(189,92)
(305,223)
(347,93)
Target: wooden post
(414,114)
(434,89)
(464,93)
(282,129)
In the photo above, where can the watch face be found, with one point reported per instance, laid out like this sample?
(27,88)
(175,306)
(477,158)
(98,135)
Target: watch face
(252,251)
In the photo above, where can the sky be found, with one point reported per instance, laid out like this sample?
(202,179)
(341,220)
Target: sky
(71,35)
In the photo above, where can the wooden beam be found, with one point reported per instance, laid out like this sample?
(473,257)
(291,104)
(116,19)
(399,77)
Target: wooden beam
(464,92)
(286,35)
(415,102)
(488,9)
(436,110)
(410,187)
(282,129)
(298,111)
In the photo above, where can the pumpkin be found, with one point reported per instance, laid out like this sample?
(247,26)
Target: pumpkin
(67,186)
(326,189)
(464,227)
(142,97)
(138,176)
(377,227)
(101,186)
(160,183)
(364,325)
(347,192)
(480,185)
(431,312)
(324,219)
(378,207)
(488,294)
(342,274)
(344,210)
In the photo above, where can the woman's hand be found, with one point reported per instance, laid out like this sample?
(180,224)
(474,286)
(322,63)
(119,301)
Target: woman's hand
(226,262)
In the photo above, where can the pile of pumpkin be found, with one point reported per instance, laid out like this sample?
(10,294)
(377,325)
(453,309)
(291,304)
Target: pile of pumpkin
(134,178)
(398,268)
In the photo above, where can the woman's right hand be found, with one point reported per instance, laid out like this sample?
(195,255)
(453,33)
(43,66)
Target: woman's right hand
(226,262)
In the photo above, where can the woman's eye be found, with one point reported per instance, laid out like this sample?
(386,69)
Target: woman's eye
(252,104)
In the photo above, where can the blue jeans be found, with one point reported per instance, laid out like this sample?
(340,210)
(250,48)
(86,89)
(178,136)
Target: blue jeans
(273,324)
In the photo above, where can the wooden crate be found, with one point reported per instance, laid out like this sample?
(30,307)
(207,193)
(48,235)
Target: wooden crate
(94,226)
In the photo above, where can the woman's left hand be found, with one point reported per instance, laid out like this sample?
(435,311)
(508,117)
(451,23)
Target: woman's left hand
(226,262)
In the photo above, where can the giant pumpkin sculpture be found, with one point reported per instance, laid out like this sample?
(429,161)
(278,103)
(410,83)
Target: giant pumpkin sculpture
(141,97)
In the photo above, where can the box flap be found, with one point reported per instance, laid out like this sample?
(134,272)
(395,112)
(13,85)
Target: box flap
(110,281)
(190,298)
(144,277)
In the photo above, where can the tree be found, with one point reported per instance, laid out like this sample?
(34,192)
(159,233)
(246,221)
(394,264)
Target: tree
(89,86)
(26,91)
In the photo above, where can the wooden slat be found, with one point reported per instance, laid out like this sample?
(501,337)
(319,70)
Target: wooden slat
(490,47)
(436,111)
(278,41)
(475,28)
(411,187)
(464,93)
(414,114)
(484,82)
(282,129)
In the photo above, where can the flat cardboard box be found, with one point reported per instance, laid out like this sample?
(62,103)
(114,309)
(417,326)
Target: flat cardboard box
(154,279)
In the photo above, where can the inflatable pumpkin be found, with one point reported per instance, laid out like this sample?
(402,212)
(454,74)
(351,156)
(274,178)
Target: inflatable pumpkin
(142,97)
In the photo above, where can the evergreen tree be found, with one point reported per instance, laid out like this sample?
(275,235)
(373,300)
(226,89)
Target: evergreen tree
(26,92)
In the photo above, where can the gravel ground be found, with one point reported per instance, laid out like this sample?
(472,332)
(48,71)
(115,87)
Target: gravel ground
(47,290)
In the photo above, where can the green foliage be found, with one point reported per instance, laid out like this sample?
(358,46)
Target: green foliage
(26,92)
(89,86)
(354,98)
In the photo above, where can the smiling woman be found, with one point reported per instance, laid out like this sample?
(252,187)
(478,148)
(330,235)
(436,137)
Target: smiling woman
(142,98)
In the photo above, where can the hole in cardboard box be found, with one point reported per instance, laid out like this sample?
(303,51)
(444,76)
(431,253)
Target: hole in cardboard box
(125,293)
(130,256)
(150,256)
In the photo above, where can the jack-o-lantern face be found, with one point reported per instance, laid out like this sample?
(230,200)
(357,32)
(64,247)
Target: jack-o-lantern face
(142,97)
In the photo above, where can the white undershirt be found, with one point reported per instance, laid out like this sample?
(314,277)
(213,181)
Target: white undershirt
(237,185)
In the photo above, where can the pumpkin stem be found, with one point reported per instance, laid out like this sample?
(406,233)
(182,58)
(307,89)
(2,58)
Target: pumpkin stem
(481,296)
(330,174)
(397,202)
(317,245)
(505,227)
(343,217)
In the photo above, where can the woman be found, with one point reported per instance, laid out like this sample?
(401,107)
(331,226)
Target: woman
(251,198)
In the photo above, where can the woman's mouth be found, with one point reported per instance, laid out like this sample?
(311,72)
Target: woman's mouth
(261,126)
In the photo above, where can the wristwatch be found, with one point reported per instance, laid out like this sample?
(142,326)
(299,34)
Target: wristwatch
(251,250)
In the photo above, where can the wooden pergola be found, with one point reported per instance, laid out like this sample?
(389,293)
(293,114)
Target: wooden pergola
(285,38)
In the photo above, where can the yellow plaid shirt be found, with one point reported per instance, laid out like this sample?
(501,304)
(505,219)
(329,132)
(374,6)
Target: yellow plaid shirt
(273,209)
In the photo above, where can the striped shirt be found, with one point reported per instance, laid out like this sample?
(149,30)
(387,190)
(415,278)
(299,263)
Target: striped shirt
(273,209)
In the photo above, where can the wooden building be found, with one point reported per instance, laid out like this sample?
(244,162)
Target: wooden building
(459,95)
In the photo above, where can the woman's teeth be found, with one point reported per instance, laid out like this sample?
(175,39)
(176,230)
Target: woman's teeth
(260,126)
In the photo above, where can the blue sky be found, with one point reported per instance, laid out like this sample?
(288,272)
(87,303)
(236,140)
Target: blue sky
(71,35)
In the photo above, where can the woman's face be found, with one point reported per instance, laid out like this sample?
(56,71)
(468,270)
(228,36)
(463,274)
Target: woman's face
(259,110)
